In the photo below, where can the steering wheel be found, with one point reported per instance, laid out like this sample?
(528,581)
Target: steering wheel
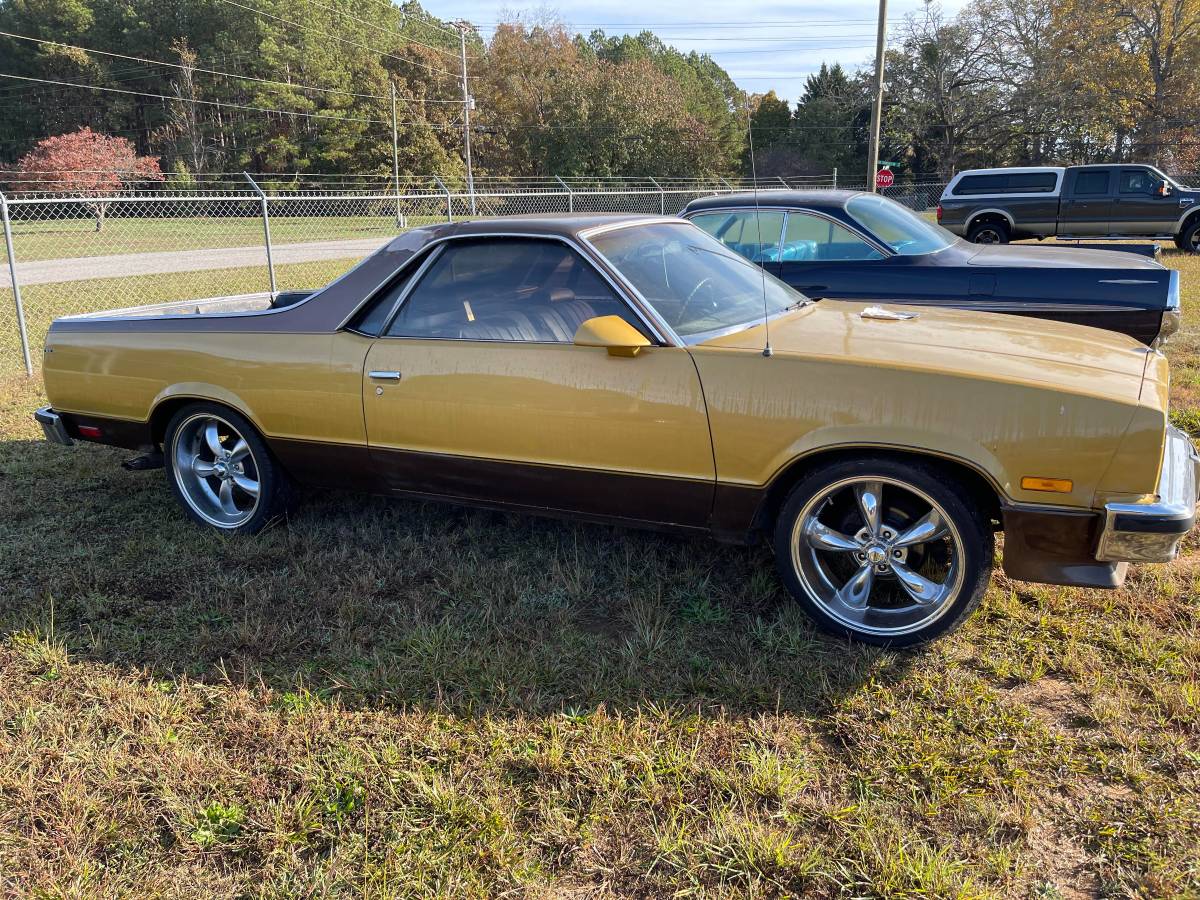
(703,282)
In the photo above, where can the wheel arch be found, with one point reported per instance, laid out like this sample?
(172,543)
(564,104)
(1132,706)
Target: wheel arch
(979,484)
(170,402)
(990,214)
(1188,219)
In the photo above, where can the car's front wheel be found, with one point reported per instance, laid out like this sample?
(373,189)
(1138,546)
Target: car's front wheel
(221,471)
(887,552)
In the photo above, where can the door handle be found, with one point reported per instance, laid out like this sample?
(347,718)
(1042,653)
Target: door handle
(384,376)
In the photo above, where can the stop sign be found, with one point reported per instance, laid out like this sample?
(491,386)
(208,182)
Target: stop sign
(884,178)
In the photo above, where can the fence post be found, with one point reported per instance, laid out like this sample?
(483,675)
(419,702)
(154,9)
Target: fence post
(262,199)
(662,197)
(449,202)
(12,271)
(570,194)
(727,184)
(835,178)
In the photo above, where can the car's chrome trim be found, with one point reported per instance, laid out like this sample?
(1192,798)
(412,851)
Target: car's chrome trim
(1150,532)
(658,329)
(852,226)
(1172,317)
(52,426)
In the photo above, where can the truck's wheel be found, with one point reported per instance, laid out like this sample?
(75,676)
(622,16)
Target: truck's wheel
(989,231)
(1188,240)
(221,471)
(885,552)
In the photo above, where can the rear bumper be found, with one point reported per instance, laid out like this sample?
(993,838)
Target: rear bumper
(1150,532)
(52,426)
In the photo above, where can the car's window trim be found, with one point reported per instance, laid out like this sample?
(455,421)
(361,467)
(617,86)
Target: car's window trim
(854,228)
(437,246)
(690,340)
(854,232)
(782,210)
(420,261)
(891,251)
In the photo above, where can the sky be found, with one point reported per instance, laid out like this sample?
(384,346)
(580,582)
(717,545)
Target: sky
(776,49)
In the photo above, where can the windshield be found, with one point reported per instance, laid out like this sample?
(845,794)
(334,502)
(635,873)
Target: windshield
(898,227)
(691,279)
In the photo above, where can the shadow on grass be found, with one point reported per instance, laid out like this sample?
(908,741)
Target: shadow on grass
(402,603)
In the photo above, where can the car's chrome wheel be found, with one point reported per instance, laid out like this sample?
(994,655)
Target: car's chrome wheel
(878,555)
(216,470)
(988,236)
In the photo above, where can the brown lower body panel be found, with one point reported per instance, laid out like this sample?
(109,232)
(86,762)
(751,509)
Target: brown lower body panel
(555,490)
(1055,546)
(113,432)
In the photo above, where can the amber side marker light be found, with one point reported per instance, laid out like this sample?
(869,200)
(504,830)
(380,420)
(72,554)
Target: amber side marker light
(1056,485)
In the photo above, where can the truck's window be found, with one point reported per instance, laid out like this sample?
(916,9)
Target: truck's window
(981,184)
(371,317)
(1138,181)
(1032,182)
(1093,183)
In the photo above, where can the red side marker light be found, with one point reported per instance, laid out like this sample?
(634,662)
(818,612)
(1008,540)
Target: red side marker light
(90,431)
(939,213)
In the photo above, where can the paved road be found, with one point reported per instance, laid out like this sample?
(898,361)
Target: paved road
(83,268)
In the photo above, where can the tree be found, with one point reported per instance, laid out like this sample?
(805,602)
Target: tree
(87,164)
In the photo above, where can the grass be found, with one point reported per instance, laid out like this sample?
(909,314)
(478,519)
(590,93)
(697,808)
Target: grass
(394,698)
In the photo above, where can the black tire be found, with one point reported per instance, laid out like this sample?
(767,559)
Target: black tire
(989,231)
(1188,239)
(885,619)
(203,496)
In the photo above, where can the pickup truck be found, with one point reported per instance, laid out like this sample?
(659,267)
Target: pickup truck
(1097,202)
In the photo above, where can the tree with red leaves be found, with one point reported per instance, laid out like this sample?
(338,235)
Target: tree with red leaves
(85,163)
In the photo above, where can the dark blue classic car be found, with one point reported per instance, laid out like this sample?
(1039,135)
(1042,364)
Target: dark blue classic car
(848,245)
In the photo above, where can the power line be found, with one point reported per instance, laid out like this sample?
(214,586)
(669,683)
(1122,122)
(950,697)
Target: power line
(155,62)
(220,103)
(386,31)
(400,59)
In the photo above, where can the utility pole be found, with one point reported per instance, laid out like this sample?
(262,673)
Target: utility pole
(462,25)
(877,108)
(395,156)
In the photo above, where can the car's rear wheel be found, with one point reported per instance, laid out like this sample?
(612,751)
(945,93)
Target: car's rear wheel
(886,552)
(1189,239)
(989,231)
(221,471)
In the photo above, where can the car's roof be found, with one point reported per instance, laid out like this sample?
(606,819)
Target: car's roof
(550,224)
(775,199)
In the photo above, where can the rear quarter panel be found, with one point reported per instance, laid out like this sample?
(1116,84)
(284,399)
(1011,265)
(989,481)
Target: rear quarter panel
(302,386)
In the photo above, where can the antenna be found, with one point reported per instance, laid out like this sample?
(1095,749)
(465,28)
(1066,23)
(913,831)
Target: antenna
(758,226)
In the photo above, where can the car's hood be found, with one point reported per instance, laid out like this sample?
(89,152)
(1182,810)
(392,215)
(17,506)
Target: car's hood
(989,346)
(1047,256)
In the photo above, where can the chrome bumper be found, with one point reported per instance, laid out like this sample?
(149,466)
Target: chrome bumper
(1150,532)
(52,426)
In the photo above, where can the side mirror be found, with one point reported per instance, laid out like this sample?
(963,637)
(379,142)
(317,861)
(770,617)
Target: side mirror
(613,333)
(1164,189)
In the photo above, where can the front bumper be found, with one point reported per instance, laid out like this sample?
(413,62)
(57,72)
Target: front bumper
(52,426)
(1150,532)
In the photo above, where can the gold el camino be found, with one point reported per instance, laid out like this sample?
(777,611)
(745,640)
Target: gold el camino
(632,369)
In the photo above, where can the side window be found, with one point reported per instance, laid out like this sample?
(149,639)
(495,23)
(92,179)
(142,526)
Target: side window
(981,184)
(1137,181)
(813,238)
(751,233)
(1093,182)
(370,319)
(507,289)
(1031,182)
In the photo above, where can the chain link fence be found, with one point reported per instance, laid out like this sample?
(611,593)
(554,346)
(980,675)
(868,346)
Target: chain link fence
(83,254)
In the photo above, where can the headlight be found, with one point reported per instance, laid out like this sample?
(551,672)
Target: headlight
(1172,315)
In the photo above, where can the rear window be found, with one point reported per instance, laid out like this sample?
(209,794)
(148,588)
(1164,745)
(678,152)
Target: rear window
(1007,183)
